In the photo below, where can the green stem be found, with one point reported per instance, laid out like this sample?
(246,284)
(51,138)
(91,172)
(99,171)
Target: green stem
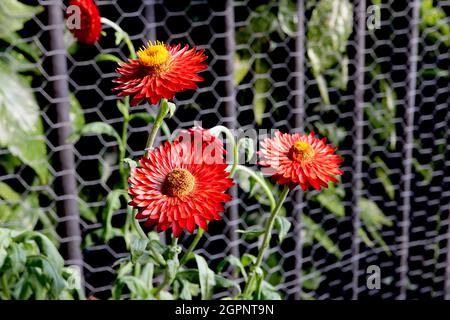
(261,182)
(5,287)
(166,282)
(138,228)
(162,112)
(217,130)
(184,259)
(191,248)
(235,160)
(267,235)
(123,153)
(126,37)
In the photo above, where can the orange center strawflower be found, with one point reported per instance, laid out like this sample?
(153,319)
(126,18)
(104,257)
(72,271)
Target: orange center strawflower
(301,151)
(179,182)
(154,55)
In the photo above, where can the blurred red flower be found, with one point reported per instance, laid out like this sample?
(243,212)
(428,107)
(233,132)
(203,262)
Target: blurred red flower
(160,71)
(90,27)
(204,145)
(297,159)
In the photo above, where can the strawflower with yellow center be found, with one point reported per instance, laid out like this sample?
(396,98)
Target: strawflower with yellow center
(154,55)
(301,152)
(160,71)
(296,159)
(174,188)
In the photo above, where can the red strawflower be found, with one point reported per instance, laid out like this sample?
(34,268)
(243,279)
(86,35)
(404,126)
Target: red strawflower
(297,159)
(170,190)
(90,27)
(204,145)
(160,71)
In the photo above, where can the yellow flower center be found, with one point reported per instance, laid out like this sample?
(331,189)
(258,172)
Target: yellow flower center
(301,151)
(179,182)
(154,55)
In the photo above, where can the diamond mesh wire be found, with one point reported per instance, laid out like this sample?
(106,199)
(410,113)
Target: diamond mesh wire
(391,125)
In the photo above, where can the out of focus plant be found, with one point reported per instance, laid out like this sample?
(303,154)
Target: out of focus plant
(20,121)
(433,22)
(328,31)
(32,268)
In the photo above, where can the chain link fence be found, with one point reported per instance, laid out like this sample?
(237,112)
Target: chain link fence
(372,76)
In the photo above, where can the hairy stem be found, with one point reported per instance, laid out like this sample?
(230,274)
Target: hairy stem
(191,248)
(249,288)
(261,182)
(125,36)
(162,112)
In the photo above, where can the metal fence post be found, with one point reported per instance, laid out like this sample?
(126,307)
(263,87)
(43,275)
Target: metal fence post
(67,200)
(408,146)
(230,112)
(299,120)
(358,144)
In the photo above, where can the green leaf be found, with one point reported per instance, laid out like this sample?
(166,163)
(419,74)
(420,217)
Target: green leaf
(112,204)
(138,247)
(130,162)
(249,147)
(119,35)
(123,108)
(331,200)
(147,275)
(241,68)
(50,273)
(206,277)
(149,118)
(185,293)
(329,28)
(268,292)
(365,238)
(425,171)
(105,165)
(262,86)
(282,224)
(433,22)
(19,60)
(222,282)
(321,84)
(374,220)
(318,233)
(7,193)
(249,185)
(86,212)
(372,215)
(328,31)
(107,57)
(155,251)
(287,17)
(234,261)
(383,172)
(248,259)
(172,269)
(172,108)
(262,20)
(97,128)
(252,232)
(259,283)
(20,122)
(311,279)
(14,14)
(76,114)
